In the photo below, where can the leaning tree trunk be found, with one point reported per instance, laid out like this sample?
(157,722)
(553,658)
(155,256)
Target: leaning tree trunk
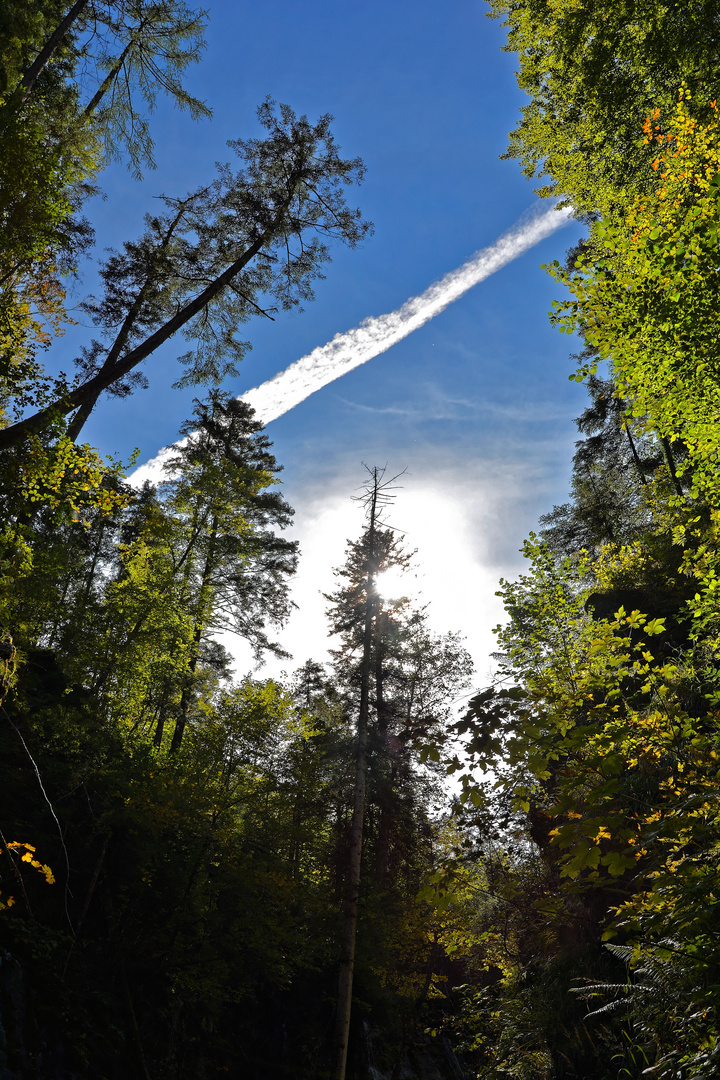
(25,87)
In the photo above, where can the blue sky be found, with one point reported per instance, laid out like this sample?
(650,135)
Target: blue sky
(477,404)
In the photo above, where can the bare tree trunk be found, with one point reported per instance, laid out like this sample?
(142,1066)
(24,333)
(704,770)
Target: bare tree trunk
(347,963)
(200,624)
(633,448)
(78,421)
(89,391)
(670,461)
(385,775)
(26,84)
(109,78)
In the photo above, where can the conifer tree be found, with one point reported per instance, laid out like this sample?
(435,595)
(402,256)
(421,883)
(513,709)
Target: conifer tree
(400,681)
(250,241)
(230,566)
(613,467)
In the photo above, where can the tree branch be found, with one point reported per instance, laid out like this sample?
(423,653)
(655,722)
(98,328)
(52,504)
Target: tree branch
(24,89)
(93,387)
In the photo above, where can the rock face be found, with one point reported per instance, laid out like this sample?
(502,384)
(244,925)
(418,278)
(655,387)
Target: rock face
(425,1059)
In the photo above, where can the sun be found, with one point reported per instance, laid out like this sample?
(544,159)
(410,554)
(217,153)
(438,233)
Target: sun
(393,584)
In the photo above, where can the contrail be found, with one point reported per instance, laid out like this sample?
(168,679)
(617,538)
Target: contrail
(379,333)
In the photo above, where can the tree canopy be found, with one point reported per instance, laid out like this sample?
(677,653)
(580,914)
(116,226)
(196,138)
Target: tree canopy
(205,874)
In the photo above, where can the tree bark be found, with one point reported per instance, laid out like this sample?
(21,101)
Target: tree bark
(109,78)
(636,458)
(385,774)
(200,624)
(78,421)
(347,963)
(90,390)
(24,89)
(670,461)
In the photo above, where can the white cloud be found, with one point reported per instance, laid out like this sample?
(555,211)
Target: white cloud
(452,526)
(376,335)
(466,518)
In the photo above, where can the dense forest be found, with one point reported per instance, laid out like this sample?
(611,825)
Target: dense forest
(201,876)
